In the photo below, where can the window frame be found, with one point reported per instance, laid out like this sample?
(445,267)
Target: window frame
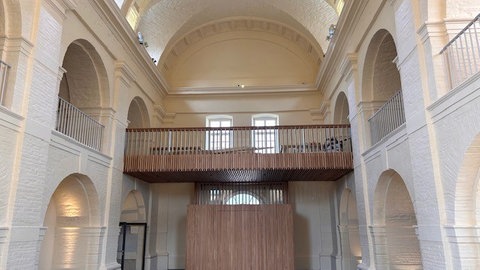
(265,133)
(211,135)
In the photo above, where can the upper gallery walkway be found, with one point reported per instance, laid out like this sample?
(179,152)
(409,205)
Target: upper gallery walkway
(239,154)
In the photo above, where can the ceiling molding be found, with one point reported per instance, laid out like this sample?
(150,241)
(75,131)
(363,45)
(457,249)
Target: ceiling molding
(311,48)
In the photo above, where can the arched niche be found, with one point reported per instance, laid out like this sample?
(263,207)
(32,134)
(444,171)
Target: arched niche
(349,234)
(138,114)
(133,208)
(85,81)
(463,212)
(2,20)
(397,245)
(71,214)
(381,78)
(11,17)
(341,110)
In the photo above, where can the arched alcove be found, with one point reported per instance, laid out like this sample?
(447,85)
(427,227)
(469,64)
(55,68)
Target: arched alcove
(395,225)
(464,211)
(85,81)
(349,234)
(138,114)
(341,110)
(133,208)
(381,78)
(11,20)
(71,214)
(83,93)
(381,87)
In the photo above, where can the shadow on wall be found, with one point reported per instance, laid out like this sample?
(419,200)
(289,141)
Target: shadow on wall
(180,257)
(302,240)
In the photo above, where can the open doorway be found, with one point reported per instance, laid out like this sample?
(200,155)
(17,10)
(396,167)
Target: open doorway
(131,246)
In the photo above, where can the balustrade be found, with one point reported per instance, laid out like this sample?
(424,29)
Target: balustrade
(462,53)
(76,124)
(389,117)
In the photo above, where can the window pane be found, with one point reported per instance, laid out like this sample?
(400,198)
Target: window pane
(265,140)
(219,139)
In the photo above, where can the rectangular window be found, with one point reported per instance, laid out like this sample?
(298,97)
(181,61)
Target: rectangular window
(265,140)
(220,137)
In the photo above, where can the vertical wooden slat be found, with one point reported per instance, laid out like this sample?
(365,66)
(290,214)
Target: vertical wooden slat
(240,237)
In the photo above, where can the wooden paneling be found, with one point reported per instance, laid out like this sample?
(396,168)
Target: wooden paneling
(240,167)
(241,237)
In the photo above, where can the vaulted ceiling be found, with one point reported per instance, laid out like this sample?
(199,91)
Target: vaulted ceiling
(200,44)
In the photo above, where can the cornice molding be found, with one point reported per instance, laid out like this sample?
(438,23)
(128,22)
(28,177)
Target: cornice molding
(123,71)
(349,65)
(60,7)
(163,116)
(346,25)
(246,90)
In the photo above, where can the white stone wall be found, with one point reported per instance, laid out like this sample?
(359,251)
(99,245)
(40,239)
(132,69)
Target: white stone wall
(434,152)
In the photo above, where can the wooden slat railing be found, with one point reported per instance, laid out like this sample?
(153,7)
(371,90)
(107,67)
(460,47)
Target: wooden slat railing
(243,148)
(221,237)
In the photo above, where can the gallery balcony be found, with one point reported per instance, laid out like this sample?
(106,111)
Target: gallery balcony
(239,154)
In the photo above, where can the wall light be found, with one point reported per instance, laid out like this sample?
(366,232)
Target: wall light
(331,31)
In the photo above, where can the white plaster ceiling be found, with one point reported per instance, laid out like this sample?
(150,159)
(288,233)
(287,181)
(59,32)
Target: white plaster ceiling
(164,23)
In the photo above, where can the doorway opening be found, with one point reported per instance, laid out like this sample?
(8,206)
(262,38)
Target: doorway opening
(131,245)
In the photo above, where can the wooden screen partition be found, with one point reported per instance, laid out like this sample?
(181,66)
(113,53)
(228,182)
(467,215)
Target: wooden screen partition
(240,237)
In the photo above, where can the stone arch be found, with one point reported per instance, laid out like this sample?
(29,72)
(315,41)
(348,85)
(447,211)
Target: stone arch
(381,78)
(463,213)
(341,110)
(138,114)
(466,205)
(85,81)
(133,208)
(349,234)
(11,18)
(72,221)
(394,230)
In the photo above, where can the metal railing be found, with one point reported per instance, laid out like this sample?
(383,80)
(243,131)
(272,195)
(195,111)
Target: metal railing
(259,140)
(4,67)
(462,53)
(78,125)
(389,117)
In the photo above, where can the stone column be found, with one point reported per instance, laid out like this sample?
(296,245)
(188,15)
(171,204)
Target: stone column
(379,236)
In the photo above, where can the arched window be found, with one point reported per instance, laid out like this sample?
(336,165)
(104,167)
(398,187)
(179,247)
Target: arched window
(242,198)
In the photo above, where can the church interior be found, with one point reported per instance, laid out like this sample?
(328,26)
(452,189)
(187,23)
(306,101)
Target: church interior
(240,135)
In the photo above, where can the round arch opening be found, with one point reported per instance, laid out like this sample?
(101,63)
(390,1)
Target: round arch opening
(72,220)
(395,218)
